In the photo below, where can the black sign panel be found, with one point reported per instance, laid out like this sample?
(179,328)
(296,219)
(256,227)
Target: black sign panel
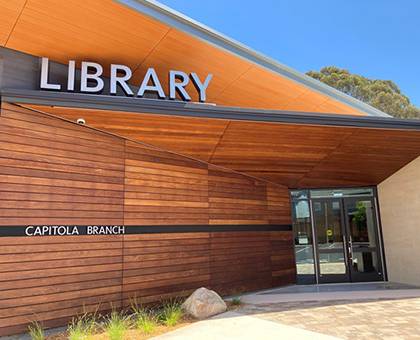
(75,230)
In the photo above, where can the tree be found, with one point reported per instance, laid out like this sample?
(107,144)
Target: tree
(384,95)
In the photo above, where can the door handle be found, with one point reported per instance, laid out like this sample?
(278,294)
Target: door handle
(349,248)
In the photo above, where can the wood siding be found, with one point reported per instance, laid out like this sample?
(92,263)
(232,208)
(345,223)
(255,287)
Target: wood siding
(55,172)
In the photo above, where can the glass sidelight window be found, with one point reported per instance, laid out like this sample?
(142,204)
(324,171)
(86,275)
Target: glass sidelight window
(336,235)
(303,237)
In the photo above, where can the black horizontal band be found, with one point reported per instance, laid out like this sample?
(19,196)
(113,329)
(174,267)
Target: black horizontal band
(168,107)
(205,228)
(74,230)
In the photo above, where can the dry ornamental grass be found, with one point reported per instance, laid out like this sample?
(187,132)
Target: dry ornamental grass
(139,323)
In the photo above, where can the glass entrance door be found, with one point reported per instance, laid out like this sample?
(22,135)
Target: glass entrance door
(332,262)
(363,241)
(346,240)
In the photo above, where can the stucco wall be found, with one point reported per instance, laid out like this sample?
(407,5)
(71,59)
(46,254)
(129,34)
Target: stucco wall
(399,200)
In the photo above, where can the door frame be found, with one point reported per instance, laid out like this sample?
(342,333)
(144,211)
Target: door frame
(351,275)
(307,194)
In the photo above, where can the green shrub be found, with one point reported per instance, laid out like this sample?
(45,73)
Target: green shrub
(171,313)
(116,326)
(35,331)
(81,328)
(236,301)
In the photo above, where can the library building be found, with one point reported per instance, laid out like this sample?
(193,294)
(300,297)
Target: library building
(143,154)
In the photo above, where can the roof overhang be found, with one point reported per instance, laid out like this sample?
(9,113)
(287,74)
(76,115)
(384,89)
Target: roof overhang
(299,150)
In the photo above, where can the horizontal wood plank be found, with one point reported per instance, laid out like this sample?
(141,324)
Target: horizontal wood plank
(52,175)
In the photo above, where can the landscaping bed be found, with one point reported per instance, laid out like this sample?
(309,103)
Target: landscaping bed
(136,323)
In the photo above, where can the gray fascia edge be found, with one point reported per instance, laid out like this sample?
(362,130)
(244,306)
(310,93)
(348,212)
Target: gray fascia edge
(197,110)
(184,23)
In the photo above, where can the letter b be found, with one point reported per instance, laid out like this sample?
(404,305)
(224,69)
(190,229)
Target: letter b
(85,76)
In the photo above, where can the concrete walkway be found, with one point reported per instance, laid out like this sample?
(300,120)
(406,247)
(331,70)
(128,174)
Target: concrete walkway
(332,292)
(336,311)
(232,325)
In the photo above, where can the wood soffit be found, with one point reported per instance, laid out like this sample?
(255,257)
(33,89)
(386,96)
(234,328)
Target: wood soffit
(296,155)
(106,31)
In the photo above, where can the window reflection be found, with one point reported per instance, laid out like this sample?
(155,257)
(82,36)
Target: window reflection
(329,233)
(361,222)
(328,224)
(299,194)
(337,193)
(303,241)
(363,236)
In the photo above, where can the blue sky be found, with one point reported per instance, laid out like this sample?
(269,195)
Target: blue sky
(375,38)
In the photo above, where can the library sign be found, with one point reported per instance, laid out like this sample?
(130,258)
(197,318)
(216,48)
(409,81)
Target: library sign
(92,81)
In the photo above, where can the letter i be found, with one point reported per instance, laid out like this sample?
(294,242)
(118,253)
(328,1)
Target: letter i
(71,75)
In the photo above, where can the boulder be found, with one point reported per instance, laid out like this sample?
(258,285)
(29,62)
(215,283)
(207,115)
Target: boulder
(204,303)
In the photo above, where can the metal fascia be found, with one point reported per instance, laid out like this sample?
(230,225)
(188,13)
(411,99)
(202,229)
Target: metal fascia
(177,108)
